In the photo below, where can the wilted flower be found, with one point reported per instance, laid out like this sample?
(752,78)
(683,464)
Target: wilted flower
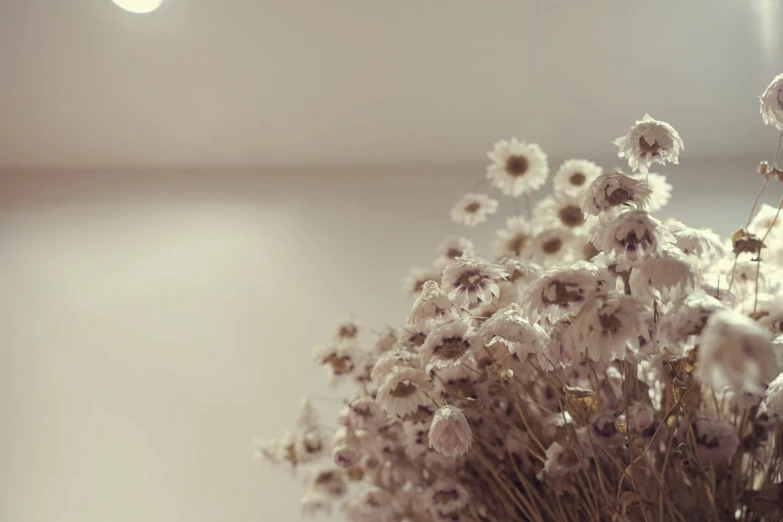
(432,303)
(343,456)
(632,235)
(663,275)
(649,141)
(563,290)
(472,209)
(471,279)
(574,176)
(517,167)
(510,328)
(450,434)
(403,391)
(615,190)
(772,103)
(687,319)
(735,351)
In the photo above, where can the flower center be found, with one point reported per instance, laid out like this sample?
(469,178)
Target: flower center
(562,295)
(454,253)
(473,207)
(552,246)
(619,196)
(571,216)
(451,348)
(516,166)
(469,278)
(340,365)
(417,339)
(348,331)
(632,242)
(646,148)
(610,323)
(517,243)
(403,390)
(445,496)
(577,179)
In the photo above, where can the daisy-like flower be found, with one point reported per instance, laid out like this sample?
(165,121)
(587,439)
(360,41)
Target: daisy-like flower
(412,336)
(667,274)
(517,167)
(391,360)
(606,328)
(632,236)
(403,391)
(772,103)
(448,345)
(341,359)
(561,210)
(687,319)
(735,351)
(649,141)
(451,249)
(347,330)
(563,291)
(450,434)
(471,279)
(660,190)
(328,480)
(510,328)
(574,176)
(314,504)
(520,272)
(614,190)
(433,303)
(716,440)
(701,243)
(472,209)
(365,413)
(417,277)
(344,456)
(552,246)
(385,340)
(512,240)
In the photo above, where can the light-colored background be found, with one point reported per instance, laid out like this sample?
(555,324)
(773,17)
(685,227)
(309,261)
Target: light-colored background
(189,200)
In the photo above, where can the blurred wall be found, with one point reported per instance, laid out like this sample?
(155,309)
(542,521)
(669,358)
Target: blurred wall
(152,324)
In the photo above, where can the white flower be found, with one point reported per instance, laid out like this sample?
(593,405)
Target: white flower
(767,217)
(365,413)
(640,416)
(660,190)
(563,290)
(512,240)
(448,345)
(649,141)
(509,327)
(561,461)
(574,176)
(385,340)
(632,235)
(773,399)
(347,330)
(412,336)
(772,103)
(735,351)
(343,456)
(417,277)
(687,319)
(450,434)
(395,358)
(470,279)
(606,328)
(520,272)
(716,440)
(453,248)
(433,303)
(615,190)
(314,504)
(561,210)
(551,246)
(661,276)
(517,167)
(403,391)
(472,209)
(341,359)
(446,495)
(328,480)
(701,243)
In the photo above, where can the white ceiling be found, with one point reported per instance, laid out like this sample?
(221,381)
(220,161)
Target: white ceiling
(319,82)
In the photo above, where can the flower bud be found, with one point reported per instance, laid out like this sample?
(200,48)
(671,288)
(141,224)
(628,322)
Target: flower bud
(450,434)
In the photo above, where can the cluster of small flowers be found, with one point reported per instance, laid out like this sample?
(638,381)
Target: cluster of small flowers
(600,350)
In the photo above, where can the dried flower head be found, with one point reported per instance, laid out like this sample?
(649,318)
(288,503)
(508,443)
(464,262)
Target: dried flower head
(772,103)
(448,345)
(450,434)
(563,290)
(471,279)
(512,240)
(615,190)
(552,246)
(632,236)
(649,141)
(660,190)
(667,274)
(561,210)
(403,391)
(472,209)
(431,304)
(517,167)
(452,248)
(417,277)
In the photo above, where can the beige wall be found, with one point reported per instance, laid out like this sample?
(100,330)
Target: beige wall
(152,325)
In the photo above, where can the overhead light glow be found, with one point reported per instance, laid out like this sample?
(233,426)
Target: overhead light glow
(139,6)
